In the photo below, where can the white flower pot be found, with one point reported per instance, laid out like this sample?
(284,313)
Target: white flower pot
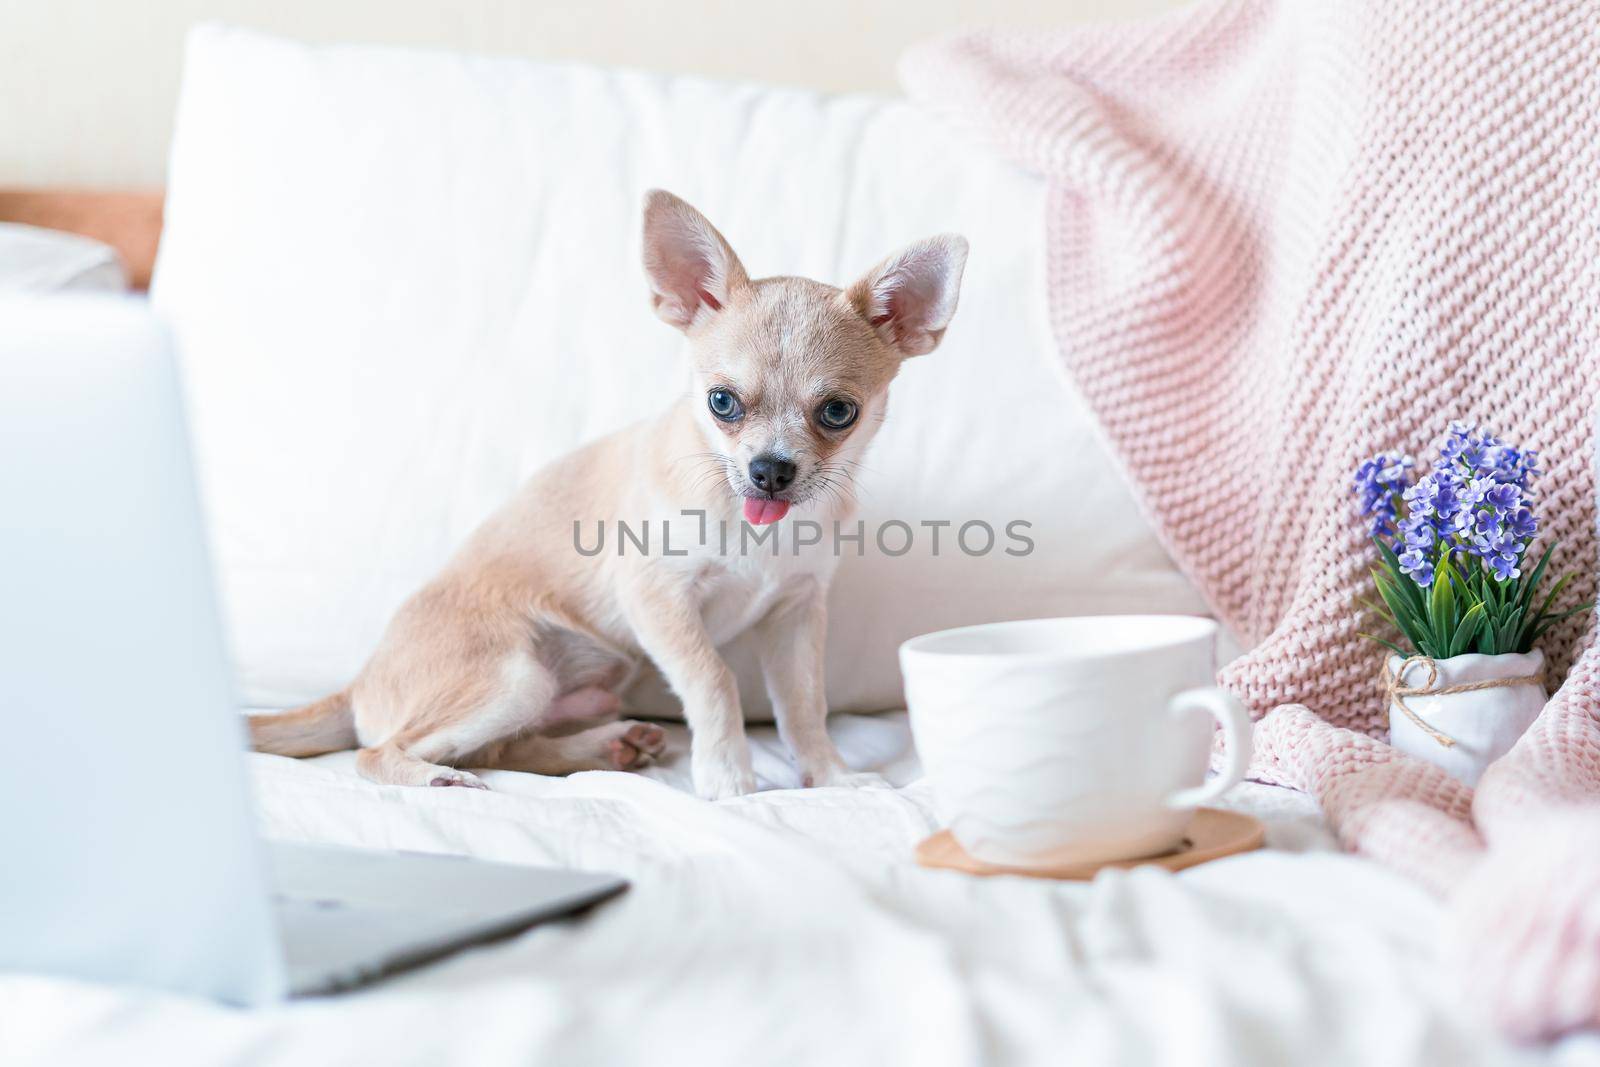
(1464,732)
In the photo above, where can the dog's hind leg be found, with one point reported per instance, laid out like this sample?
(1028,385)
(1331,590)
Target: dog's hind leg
(474,713)
(391,764)
(580,709)
(615,746)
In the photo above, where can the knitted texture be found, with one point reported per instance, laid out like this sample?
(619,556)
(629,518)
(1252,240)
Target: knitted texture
(1401,811)
(1282,237)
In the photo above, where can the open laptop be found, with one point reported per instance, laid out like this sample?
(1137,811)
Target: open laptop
(125,821)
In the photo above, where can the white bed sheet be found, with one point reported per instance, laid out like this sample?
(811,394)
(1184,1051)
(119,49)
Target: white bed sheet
(792,927)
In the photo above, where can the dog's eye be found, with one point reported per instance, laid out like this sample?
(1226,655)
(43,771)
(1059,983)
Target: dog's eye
(724,405)
(837,413)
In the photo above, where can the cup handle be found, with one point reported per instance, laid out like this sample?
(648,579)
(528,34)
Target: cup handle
(1235,721)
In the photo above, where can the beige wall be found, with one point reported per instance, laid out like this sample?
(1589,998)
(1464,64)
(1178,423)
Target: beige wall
(87,86)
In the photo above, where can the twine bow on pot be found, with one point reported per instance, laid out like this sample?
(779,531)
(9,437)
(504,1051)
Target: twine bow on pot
(1395,685)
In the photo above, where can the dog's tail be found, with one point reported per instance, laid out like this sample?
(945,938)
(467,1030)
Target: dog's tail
(326,726)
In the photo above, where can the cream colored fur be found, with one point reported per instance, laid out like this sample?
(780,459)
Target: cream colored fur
(511,657)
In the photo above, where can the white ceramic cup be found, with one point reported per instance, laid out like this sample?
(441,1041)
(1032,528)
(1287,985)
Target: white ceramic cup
(1078,740)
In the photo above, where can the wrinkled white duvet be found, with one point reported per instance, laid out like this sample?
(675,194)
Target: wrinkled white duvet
(792,927)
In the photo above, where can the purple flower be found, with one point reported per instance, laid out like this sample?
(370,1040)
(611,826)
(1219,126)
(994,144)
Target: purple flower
(1465,446)
(1527,467)
(1495,543)
(1437,496)
(1522,525)
(1461,437)
(1419,533)
(1503,497)
(1476,452)
(1378,482)
(1492,536)
(1476,490)
(1472,501)
(1504,566)
(1512,466)
(1464,527)
(1418,566)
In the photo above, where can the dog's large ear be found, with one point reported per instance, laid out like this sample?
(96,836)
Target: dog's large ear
(692,269)
(910,297)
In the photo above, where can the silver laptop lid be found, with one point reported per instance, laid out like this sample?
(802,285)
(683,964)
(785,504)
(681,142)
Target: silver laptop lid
(127,829)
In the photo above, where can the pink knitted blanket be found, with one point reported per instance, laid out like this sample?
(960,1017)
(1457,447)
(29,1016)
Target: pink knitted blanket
(1284,236)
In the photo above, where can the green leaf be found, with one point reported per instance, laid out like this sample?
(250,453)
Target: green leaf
(1485,638)
(1555,591)
(1495,594)
(1531,622)
(1531,581)
(1409,589)
(1505,636)
(1551,620)
(1468,628)
(1400,595)
(1490,595)
(1390,645)
(1407,619)
(1387,553)
(1442,605)
(1380,610)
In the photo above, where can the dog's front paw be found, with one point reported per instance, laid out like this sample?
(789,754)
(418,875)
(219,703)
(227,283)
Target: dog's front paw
(718,776)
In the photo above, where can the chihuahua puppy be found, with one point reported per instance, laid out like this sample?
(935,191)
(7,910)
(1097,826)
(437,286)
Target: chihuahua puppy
(513,656)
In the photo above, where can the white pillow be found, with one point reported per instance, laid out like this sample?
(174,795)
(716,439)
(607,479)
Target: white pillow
(403,280)
(34,259)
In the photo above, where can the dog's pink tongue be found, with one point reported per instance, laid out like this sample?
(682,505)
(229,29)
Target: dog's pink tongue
(761,512)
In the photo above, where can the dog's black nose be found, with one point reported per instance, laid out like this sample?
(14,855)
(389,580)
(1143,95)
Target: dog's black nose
(771,475)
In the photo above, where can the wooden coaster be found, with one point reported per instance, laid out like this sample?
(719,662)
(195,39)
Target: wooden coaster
(1214,833)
